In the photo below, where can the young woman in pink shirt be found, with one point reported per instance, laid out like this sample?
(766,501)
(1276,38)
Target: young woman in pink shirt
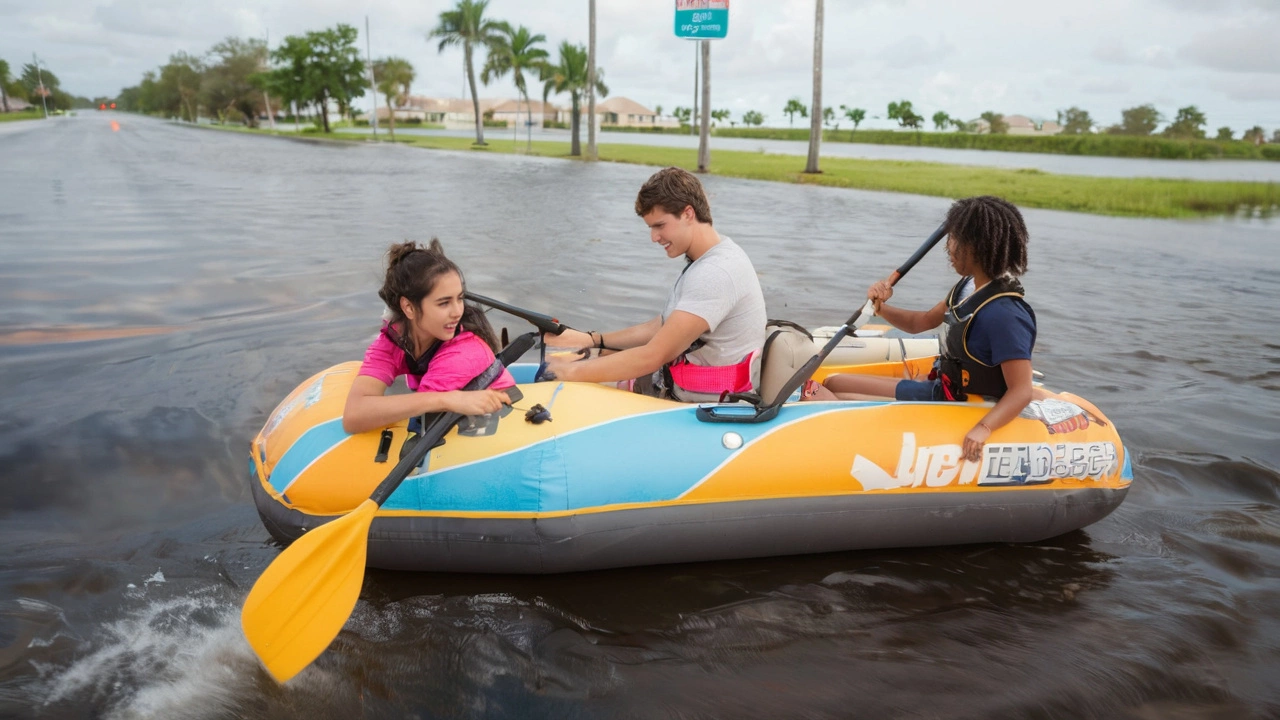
(433,338)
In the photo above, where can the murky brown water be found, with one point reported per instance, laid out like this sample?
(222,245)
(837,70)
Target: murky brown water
(161,288)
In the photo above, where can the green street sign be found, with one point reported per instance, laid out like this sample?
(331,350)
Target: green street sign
(702,19)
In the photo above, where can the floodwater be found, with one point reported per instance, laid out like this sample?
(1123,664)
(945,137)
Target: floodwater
(1240,170)
(163,287)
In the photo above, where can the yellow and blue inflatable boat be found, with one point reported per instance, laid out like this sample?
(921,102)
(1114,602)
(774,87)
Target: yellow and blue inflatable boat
(618,479)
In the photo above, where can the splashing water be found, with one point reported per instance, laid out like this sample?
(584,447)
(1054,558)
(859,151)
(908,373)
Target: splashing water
(181,657)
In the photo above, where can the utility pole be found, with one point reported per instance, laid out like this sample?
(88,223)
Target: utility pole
(704,148)
(697,51)
(271,116)
(591,84)
(373,89)
(44,95)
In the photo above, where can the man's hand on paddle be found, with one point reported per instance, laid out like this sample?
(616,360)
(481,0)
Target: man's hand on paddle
(569,339)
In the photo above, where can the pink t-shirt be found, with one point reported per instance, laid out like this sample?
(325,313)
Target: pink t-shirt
(455,364)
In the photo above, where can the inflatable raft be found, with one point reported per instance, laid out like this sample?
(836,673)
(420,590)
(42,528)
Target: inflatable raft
(617,479)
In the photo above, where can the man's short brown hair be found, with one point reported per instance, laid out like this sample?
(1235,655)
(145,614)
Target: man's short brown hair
(672,189)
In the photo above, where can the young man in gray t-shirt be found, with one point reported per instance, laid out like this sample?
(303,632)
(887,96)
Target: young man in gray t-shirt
(712,328)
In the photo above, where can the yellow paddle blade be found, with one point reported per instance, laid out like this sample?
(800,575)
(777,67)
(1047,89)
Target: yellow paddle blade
(306,594)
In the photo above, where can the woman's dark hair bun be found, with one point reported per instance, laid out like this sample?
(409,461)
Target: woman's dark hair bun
(398,252)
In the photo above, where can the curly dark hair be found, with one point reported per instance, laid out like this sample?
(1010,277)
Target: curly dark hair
(993,230)
(412,271)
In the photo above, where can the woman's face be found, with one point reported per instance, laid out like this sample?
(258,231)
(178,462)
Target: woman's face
(437,316)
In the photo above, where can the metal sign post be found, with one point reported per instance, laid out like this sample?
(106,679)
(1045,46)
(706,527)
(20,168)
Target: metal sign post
(702,20)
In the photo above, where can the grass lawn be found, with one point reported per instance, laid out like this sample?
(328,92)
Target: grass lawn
(36,114)
(1136,197)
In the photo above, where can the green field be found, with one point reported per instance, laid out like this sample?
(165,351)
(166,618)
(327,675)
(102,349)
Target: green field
(1136,197)
(24,115)
(1098,145)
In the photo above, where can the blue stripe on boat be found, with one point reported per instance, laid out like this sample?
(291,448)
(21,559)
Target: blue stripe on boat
(674,448)
(305,450)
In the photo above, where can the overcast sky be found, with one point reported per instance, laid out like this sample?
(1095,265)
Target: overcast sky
(1010,56)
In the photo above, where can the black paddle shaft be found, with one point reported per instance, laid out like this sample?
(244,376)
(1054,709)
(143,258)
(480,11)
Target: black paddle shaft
(920,252)
(430,436)
(545,323)
(806,371)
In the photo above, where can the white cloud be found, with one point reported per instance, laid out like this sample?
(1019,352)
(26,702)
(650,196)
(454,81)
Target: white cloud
(1253,88)
(1113,51)
(1237,47)
(1105,86)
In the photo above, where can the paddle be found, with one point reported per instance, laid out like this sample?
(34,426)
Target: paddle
(304,597)
(869,308)
(544,323)
(769,410)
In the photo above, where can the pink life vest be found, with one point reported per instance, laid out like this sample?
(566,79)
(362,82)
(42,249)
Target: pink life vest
(712,379)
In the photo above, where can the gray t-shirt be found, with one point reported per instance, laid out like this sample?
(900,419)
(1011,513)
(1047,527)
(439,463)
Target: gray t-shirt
(722,288)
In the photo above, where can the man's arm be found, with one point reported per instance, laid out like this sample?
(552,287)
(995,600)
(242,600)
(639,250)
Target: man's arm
(634,336)
(664,345)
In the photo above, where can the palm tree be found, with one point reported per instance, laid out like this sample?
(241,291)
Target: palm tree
(571,76)
(591,81)
(815,124)
(466,26)
(394,75)
(515,51)
(855,115)
(795,107)
(4,82)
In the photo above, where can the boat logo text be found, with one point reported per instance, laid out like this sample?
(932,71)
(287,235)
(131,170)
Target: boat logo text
(1001,464)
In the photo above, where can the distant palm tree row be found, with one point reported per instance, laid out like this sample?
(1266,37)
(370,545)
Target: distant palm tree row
(515,51)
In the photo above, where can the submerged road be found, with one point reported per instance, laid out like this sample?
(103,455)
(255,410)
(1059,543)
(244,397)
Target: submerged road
(163,288)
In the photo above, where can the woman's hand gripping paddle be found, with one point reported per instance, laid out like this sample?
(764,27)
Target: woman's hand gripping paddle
(304,597)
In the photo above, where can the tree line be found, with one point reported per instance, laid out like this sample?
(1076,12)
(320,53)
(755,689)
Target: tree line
(241,80)
(38,86)
(1141,121)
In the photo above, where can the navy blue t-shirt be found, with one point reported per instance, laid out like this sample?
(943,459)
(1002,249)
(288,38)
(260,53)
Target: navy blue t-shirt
(1003,330)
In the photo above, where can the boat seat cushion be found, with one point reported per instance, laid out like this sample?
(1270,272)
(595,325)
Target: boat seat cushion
(787,347)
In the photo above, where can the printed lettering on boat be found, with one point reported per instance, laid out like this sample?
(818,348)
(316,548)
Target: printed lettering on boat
(1059,416)
(1001,464)
(307,397)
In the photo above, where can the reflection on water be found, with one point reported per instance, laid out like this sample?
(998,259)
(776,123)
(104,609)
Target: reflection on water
(130,538)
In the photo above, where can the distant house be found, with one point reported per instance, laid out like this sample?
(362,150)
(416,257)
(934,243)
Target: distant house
(620,111)
(453,113)
(625,112)
(458,113)
(1021,125)
(16,105)
(517,112)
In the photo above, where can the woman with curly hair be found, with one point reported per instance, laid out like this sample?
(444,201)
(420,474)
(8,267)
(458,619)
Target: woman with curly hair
(990,329)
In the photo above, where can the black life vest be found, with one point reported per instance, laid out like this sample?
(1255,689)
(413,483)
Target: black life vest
(417,365)
(958,370)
